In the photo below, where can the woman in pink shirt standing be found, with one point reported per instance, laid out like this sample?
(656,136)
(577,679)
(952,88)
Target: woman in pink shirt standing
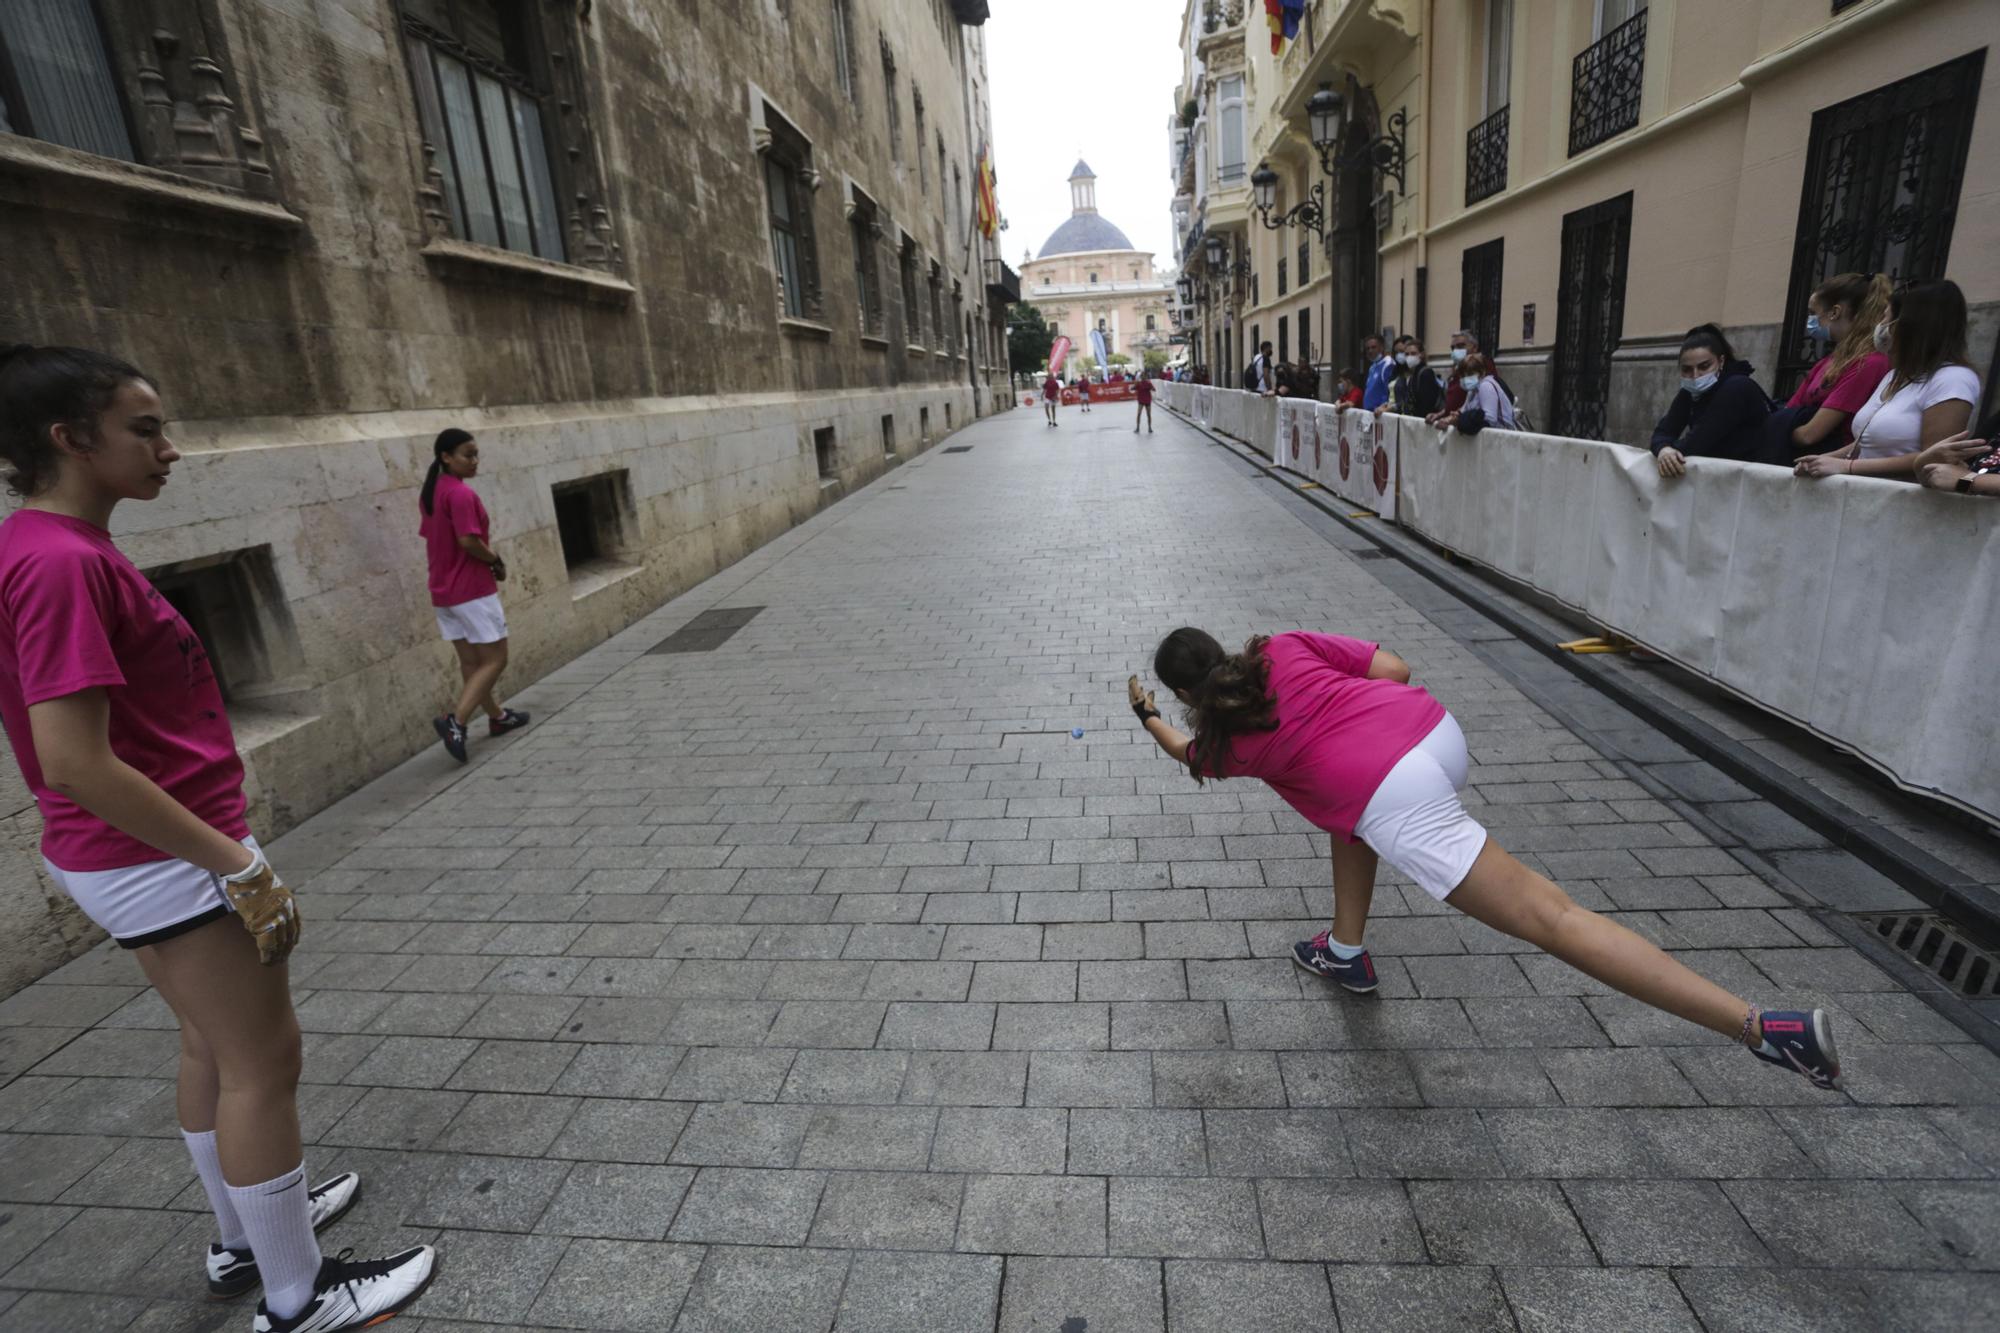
(117,721)
(465,587)
(1335,727)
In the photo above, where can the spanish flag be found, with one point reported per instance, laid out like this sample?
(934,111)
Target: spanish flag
(988,202)
(1283,16)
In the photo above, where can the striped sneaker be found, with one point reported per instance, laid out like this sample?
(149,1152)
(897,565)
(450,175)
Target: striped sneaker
(356,1293)
(233,1272)
(1316,955)
(1802,1040)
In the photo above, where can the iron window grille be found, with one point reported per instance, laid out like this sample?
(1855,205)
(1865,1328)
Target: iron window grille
(937,305)
(1486,158)
(1880,193)
(1284,341)
(1283,287)
(1479,292)
(913,319)
(789,179)
(866,228)
(1605,82)
(1590,314)
(482,109)
(1305,262)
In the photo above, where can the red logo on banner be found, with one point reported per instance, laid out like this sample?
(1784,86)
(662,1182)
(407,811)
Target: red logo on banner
(1343,455)
(1295,441)
(1381,471)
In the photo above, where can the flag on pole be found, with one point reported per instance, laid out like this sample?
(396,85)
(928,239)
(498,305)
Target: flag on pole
(988,201)
(1284,17)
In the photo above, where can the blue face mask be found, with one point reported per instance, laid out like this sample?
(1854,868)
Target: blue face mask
(1814,329)
(1468,382)
(1701,384)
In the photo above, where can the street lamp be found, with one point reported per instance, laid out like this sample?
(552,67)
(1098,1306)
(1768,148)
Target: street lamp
(1387,153)
(1216,252)
(1307,213)
(1184,289)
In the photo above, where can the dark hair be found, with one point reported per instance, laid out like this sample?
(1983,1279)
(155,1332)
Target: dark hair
(1264,346)
(1351,375)
(1710,337)
(448,439)
(1929,332)
(42,387)
(1231,692)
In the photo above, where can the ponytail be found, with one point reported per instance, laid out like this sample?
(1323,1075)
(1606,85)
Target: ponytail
(1867,295)
(448,439)
(1231,692)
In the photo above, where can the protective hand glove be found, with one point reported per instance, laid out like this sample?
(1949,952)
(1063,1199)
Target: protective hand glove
(267,911)
(1140,699)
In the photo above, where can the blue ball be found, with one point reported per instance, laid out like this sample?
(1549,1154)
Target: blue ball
(1076,733)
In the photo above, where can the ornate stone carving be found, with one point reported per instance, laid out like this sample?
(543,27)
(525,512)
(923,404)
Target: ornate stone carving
(172,55)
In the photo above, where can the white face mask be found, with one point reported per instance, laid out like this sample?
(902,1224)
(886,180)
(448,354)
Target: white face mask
(1412,360)
(1458,353)
(1468,382)
(1701,384)
(1882,336)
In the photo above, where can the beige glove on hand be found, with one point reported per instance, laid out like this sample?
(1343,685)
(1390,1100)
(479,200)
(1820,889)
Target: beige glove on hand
(266,908)
(1141,700)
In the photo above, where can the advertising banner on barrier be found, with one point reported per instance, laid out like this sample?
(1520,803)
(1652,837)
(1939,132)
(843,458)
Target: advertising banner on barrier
(1293,447)
(1204,403)
(1819,601)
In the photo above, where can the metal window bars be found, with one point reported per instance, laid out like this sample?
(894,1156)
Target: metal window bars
(1486,158)
(1604,85)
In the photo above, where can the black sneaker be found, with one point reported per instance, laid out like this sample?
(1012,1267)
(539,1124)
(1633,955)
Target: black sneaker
(452,732)
(354,1294)
(510,719)
(1316,955)
(1802,1040)
(233,1272)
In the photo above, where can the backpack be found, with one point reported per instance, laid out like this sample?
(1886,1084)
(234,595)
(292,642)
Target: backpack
(1250,376)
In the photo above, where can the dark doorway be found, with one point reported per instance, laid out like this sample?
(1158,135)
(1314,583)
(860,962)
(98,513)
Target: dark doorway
(1881,189)
(1352,242)
(1590,313)
(1479,292)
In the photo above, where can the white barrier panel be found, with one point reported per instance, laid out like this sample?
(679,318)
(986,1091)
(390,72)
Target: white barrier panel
(1292,448)
(1204,403)
(1852,606)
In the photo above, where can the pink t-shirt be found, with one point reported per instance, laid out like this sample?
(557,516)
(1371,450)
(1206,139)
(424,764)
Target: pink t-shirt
(75,615)
(1849,394)
(1338,733)
(456,578)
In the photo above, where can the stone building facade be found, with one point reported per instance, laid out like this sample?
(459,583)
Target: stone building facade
(1584,180)
(1087,276)
(689,271)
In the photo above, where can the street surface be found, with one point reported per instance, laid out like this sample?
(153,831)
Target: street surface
(824,980)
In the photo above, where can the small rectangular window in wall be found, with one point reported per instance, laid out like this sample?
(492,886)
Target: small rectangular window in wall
(56,79)
(826,452)
(593,519)
(236,607)
(947,418)
(924,424)
(889,434)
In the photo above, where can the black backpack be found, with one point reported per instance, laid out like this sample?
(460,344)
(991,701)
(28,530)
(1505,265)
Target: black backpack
(1250,376)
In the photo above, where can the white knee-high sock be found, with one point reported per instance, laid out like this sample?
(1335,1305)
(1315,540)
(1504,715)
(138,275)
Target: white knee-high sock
(278,1221)
(208,1166)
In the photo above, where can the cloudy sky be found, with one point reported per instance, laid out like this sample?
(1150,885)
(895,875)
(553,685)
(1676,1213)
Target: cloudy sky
(1079,78)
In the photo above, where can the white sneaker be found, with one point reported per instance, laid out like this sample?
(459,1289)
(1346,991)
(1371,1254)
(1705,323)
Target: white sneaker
(356,1293)
(233,1272)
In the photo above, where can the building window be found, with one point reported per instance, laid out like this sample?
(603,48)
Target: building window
(1606,77)
(843,50)
(236,607)
(1305,335)
(591,520)
(940,156)
(1256,289)
(913,318)
(826,452)
(888,435)
(891,106)
(1305,262)
(1881,190)
(937,304)
(957,318)
(865,227)
(1284,339)
(1283,286)
(1093,277)
(1590,314)
(1229,130)
(1486,142)
(1152,323)
(56,78)
(1479,292)
(923,177)
(788,182)
(481,109)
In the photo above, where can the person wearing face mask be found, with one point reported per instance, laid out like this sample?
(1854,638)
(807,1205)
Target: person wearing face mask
(1926,397)
(1719,412)
(1414,391)
(1843,313)
(1463,344)
(1486,403)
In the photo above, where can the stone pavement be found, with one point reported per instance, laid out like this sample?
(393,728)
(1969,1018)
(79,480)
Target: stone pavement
(823,980)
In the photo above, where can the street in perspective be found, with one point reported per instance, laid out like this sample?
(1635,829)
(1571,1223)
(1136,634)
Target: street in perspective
(986,666)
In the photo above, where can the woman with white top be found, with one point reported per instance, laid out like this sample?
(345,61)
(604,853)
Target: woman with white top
(1926,397)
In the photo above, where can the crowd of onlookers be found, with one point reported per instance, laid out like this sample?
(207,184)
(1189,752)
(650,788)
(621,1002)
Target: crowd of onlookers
(1892,397)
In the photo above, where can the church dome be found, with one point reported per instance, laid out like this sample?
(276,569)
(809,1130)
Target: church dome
(1084,231)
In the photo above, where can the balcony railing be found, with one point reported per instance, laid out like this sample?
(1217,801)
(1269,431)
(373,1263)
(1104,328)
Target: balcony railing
(1230,173)
(1486,158)
(1004,287)
(1604,85)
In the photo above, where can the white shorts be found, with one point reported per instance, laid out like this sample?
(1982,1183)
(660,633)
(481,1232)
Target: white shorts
(1415,821)
(478,621)
(149,902)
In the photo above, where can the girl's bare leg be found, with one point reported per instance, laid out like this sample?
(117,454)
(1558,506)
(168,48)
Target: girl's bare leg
(491,660)
(1516,901)
(469,658)
(1353,890)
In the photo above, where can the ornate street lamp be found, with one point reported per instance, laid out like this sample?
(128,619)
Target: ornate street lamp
(1184,289)
(1216,251)
(1307,213)
(1386,153)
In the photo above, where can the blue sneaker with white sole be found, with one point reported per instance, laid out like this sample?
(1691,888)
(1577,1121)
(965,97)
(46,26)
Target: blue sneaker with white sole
(1802,1040)
(1316,956)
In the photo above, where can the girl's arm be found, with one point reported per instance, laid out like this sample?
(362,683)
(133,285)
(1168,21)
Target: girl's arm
(1821,425)
(72,737)
(1169,739)
(1386,665)
(477,549)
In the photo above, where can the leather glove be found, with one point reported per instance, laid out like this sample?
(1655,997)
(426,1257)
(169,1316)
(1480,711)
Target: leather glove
(266,908)
(1140,699)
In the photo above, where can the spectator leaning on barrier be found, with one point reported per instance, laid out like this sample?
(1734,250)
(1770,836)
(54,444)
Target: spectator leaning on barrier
(1719,411)
(1968,463)
(1305,379)
(1926,397)
(1486,402)
(1463,344)
(1375,389)
(1844,312)
(1415,390)
(1347,390)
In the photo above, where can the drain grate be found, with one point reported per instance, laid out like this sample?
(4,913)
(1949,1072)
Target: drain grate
(707,631)
(1940,948)
(959,449)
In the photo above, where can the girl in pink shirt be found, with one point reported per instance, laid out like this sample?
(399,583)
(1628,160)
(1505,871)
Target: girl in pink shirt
(117,722)
(1335,727)
(465,577)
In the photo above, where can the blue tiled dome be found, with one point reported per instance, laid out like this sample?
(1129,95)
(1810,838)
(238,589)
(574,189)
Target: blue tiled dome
(1084,231)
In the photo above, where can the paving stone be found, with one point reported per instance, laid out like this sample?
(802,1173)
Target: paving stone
(743,1206)
(732,1134)
(1414,1145)
(960,1026)
(1837,1224)
(856,1077)
(1184,1218)
(396,1118)
(618,1284)
(1417,1299)
(883,1210)
(489,1193)
(1862,1143)
(494,1277)
(1498,1222)
(1035,1027)
(1274,1298)
(1584,1300)
(1217,1079)
(1033,1215)
(1165,1025)
(920,1293)
(973,1078)
(1756,1300)
(1164,979)
(1662,1223)
(620,1071)
(1480,1078)
(37,1168)
(617,1201)
(879,1137)
(750,1288)
(1618,1078)
(1348,1078)
(514,1066)
(1136,1142)
(507,1123)
(1098,1295)
(622,1130)
(729,1074)
(1276,1143)
(1090,1078)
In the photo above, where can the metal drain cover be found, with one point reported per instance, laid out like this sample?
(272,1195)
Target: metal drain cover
(959,449)
(1940,948)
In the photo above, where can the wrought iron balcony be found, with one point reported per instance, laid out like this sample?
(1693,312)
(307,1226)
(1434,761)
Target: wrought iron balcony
(1486,158)
(1604,85)
(1003,288)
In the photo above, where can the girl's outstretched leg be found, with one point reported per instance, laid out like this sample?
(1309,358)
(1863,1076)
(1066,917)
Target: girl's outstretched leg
(1336,953)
